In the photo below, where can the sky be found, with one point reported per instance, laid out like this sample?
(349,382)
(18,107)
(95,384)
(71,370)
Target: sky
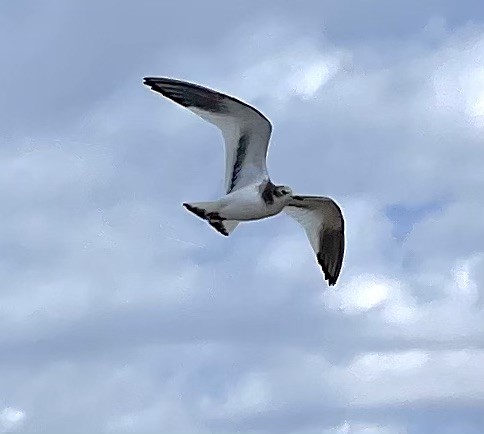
(120,312)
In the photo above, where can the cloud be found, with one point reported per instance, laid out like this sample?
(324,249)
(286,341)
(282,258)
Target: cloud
(11,419)
(112,293)
(364,428)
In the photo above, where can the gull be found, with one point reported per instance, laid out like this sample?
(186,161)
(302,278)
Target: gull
(249,192)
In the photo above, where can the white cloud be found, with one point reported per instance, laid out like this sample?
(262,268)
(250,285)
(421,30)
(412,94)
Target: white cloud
(406,377)
(360,294)
(364,428)
(458,78)
(308,79)
(11,419)
(283,66)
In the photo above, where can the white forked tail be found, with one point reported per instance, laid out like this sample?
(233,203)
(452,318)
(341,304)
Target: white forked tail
(209,211)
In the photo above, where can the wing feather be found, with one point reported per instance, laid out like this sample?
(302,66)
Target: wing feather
(323,222)
(246,131)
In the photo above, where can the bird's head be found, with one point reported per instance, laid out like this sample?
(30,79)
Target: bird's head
(282,191)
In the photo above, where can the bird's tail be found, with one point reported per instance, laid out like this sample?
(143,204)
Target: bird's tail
(209,211)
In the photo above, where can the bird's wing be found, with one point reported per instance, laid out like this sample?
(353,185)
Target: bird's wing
(323,222)
(246,131)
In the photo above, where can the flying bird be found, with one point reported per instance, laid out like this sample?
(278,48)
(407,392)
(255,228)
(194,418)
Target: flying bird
(249,191)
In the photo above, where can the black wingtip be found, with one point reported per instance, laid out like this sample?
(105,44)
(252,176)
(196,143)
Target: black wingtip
(153,81)
(330,279)
(149,81)
(327,276)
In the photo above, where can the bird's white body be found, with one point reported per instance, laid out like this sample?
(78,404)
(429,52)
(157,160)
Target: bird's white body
(245,204)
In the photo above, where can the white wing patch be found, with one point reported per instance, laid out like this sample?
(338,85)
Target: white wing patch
(310,220)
